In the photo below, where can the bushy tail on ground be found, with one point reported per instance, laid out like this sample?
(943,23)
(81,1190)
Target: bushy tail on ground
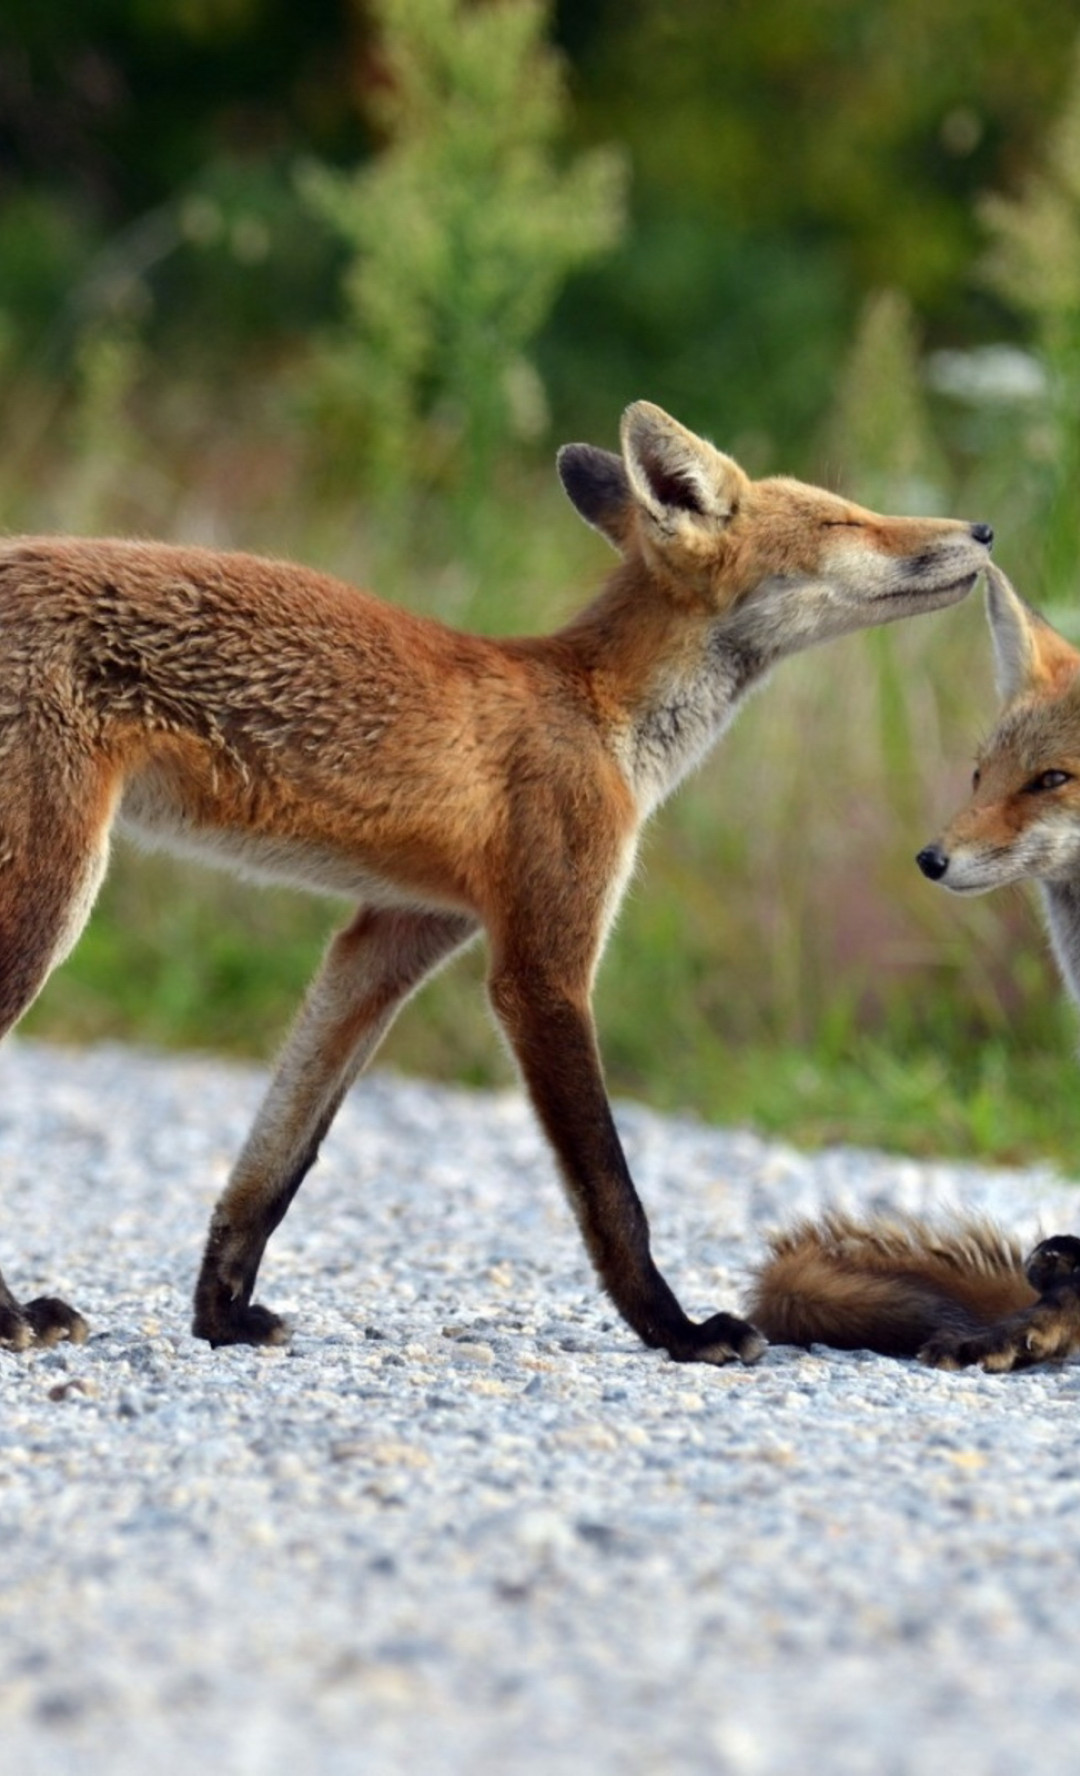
(889,1285)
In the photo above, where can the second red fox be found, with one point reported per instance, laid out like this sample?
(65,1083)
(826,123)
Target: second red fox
(961,1293)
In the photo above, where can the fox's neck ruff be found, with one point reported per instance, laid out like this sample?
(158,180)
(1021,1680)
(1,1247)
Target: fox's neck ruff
(666,679)
(686,713)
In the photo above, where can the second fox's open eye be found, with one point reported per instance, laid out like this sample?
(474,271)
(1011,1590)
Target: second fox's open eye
(1047,780)
(976,778)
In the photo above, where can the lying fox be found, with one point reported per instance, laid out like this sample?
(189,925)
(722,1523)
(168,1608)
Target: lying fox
(270,718)
(960,1294)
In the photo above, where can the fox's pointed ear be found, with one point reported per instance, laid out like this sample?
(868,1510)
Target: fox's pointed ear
(1029,653)
(679,481)
(596,485)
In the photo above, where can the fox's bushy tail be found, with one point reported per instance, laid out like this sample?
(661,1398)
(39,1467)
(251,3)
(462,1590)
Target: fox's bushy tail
(888,1285)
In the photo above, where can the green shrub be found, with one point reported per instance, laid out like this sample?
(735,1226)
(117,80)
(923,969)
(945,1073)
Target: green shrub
(459,235)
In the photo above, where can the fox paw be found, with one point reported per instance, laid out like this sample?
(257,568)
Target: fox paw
(721,1339)
(240,1323)
(950,1351)
(41,1322)
(1046,1333)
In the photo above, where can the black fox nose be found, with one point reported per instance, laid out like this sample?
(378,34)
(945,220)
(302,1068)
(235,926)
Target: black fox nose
(983,533)
(933,862)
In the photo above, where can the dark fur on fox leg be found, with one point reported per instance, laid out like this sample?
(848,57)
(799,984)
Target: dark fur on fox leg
(1048,1331)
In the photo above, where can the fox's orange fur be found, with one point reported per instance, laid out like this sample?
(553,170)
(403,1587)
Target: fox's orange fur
(270,718)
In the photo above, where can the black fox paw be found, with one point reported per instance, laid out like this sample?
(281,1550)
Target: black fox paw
(1046,1333)
(997,1351)
(721,1339)
(947,1350)
(240,1323)
(41,1322)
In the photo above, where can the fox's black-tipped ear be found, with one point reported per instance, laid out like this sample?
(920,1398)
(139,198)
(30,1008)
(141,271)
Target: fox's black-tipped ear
(597,486)
(1029,654)
(680,481)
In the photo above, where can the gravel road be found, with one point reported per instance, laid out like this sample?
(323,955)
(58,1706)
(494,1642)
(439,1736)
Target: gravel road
(464,1523)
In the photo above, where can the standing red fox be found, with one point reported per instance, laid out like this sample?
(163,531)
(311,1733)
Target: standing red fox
(960,1294)
(276,720)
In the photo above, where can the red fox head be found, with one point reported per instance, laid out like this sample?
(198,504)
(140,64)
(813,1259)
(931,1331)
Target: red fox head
(1023,818)
(784,565)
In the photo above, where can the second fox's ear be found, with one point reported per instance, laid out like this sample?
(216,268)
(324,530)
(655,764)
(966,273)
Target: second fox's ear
(680,482)
(597,486)
(1029,653)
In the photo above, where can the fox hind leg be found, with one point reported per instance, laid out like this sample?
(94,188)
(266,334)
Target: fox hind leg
(369,971)
(52,860)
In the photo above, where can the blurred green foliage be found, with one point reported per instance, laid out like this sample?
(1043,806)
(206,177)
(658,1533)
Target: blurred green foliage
(787,161)
(1034,263)
(333,281)
(460,233)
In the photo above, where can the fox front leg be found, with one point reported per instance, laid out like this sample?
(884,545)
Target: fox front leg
(369,971)
(550,1030)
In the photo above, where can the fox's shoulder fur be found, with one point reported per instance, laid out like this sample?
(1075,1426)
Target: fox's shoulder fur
(888,1285)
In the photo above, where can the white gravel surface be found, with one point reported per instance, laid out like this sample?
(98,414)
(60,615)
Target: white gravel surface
(465,1523)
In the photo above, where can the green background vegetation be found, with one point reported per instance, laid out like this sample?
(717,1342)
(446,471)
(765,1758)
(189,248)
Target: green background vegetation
(333,281)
